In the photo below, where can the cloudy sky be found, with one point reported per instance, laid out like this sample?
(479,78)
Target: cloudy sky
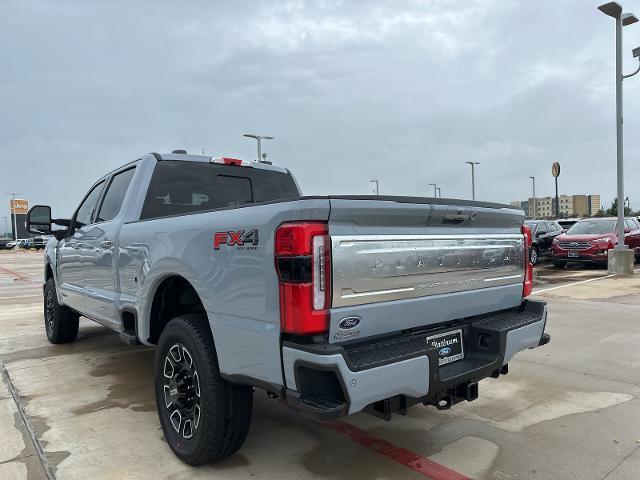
(401,91)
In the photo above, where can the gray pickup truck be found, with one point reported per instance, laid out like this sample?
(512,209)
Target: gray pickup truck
(334,305)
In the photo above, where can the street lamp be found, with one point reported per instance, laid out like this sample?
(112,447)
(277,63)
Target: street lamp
(435,187)
(533,179)
(259,138)
(622,259)
(473,179)
(377,186)
(15,216)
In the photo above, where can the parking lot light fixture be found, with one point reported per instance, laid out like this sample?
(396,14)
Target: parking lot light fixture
(621,262)
(377,190)
(533,179)
(435,188)
(473,179)
(15,217)
(259,139)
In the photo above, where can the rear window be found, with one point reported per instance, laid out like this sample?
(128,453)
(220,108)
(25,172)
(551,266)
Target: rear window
(179,187)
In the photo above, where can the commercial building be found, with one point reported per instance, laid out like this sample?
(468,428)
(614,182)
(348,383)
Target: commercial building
(569,206)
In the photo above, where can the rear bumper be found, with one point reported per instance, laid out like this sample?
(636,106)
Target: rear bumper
(327,381)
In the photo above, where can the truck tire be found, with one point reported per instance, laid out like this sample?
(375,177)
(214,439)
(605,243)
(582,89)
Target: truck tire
(204,417)
(60,322)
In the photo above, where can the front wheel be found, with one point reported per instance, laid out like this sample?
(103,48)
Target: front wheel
(204,418)
(61,323)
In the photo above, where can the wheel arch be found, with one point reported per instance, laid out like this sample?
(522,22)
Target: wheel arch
(171,295)
(48,272)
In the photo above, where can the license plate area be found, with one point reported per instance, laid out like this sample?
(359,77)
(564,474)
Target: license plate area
(573,254)
(448,346)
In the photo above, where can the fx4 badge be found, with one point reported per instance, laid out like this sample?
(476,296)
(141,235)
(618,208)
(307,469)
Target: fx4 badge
(241,239)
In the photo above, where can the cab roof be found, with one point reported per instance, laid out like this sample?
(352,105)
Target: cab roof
(184,157)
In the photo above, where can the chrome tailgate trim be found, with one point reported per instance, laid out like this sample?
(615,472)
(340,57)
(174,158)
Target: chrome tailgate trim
(375,268)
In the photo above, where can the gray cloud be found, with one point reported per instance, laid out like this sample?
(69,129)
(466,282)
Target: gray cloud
(400,91)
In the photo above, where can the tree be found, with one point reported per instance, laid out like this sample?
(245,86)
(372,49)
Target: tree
(613,211)
(601,213)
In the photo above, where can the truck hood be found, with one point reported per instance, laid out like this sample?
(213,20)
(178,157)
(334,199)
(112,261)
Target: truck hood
(586,237)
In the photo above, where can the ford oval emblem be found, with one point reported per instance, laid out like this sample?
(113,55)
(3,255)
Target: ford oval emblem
(444,351)
(349,322)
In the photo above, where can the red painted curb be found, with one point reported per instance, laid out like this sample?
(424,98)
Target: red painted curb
(422,465)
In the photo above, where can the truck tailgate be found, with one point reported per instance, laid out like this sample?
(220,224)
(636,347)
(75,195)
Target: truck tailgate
(402,263)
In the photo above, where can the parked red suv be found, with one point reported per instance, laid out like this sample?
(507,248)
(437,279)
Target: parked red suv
(590,239)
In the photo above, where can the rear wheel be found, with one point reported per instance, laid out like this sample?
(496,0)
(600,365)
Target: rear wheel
(61,323)
(533,255)
(204,418)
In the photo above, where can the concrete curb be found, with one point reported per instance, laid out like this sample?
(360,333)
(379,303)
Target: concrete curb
(44,461)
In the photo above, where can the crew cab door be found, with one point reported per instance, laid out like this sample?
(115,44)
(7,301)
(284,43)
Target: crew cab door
(69,251)
(99,254)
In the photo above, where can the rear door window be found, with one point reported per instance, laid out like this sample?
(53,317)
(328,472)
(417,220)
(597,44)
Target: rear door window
(84,214)
(542,230)
(114,197)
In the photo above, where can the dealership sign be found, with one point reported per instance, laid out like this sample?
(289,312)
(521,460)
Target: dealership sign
(18,206)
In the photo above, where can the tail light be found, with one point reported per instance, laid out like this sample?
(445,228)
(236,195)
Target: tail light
(528,266)
(303,262)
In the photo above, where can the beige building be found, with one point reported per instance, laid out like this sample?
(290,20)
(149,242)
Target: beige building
(569,206)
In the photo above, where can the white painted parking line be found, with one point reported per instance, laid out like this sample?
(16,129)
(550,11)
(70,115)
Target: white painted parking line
(577,283)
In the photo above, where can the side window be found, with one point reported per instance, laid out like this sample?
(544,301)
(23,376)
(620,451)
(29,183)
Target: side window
(87,207)
(542,230)
(551,227)
(114,197)
(630,225)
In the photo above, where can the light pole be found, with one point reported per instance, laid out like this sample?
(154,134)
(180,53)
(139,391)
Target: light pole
(435,187)
(622,259)
(439,194)
(15,216)
(533,179)
(377,186)
(6,226)
(473,179)
(259,138)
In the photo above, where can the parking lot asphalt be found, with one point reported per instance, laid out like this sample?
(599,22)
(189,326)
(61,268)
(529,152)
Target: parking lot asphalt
(569,410)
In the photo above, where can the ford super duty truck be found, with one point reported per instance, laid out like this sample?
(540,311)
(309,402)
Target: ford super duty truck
(335,305)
